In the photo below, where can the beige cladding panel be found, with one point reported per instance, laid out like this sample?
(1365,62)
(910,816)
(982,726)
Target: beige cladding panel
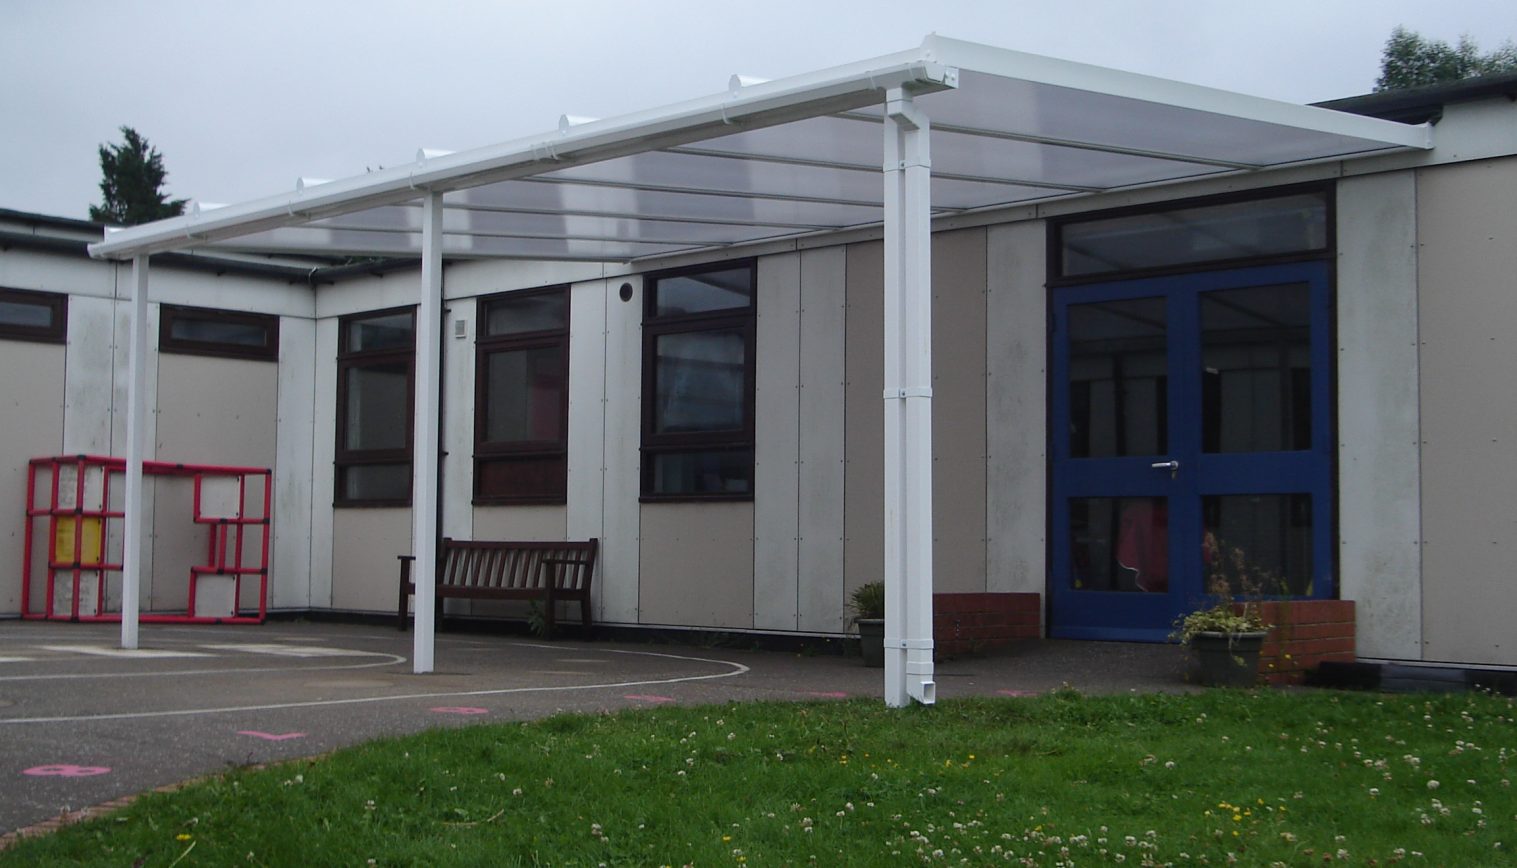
(696,565)
(958,411)
(520,522)
(1016,408)
(864,412)
(1467,300)
(776,446)
(822,478)
(365,545)
(31,403)
(216,411)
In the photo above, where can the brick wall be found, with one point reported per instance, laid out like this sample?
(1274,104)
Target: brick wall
(1305,634)
(970,623)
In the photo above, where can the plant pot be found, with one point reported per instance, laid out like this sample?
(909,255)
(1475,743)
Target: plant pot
(872,641)
(1228,659)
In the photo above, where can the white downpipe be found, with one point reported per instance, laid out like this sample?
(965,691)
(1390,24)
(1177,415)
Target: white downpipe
(136,416)
(908,404)
(424,460)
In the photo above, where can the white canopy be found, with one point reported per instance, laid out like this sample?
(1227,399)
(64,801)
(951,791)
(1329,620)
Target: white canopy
(798,156)
(948,127)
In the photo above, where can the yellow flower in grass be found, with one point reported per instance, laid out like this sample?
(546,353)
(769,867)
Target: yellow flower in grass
(183,836)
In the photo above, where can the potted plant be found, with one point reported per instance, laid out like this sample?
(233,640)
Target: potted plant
(868,604)
(1226,637)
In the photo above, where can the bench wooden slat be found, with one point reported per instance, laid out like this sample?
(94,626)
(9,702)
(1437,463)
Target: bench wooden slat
(510,570)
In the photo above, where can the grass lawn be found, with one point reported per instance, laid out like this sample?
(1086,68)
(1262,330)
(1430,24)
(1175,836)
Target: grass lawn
(1263,777)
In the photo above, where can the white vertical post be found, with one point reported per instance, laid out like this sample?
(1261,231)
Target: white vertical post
(908,404)
(136,417)
(425,443)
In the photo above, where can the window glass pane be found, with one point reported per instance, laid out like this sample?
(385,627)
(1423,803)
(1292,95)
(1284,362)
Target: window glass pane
(1256,373)
(536,477)
(383,332)
(377,406)
(709,290)
(714,472)
(1119,544)
(25,315)
(376,482)
(525,313)
(699,381)
(1257,544)
(1238,230)
(1118,379)
(218,331)
(524,395)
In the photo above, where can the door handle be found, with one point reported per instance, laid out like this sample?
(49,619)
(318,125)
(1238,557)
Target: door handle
(1170,465)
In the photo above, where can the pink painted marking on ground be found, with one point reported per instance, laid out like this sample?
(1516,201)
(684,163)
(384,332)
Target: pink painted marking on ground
(828,694)
(644,697)
(460,709)
(65,771)
(271,736)
(1017,692)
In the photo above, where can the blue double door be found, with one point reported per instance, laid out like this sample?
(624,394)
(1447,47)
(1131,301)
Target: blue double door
(1192,442)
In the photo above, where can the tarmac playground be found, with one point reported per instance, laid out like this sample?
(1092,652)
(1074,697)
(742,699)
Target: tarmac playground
(84,723)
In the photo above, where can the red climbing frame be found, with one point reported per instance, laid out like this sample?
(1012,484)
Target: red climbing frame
(84,530)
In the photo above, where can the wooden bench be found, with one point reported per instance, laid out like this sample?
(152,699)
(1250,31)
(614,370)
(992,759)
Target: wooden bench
(508,570)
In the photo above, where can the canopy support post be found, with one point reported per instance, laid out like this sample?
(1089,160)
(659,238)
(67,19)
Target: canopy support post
(424,461)
(908,403)
(136,418)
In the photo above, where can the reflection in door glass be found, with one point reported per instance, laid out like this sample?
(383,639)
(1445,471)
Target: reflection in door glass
(1257,544)
(1256,370)
(1118,379)
(1119,544)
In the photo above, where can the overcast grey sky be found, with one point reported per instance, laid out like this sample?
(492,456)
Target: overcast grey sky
(244,96)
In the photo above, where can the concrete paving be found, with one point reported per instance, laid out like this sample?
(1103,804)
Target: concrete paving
(83,723)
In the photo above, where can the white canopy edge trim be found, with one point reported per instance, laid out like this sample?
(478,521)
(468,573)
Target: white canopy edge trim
(760,105)
(1132,85)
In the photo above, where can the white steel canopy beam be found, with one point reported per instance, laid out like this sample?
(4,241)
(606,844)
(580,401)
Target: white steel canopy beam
(908,403)
(136,418)
(424,459)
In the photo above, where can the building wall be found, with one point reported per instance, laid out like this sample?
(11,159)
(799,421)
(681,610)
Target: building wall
(31,403)
(1379,545)
(1467,305)
(72,398)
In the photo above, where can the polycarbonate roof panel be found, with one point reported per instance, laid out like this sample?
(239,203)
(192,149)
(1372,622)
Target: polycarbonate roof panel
(793,157)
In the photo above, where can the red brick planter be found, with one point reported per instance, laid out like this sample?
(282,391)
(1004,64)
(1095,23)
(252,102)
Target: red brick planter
(971,623)
(1304,634)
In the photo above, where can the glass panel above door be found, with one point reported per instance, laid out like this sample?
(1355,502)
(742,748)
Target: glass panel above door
(1256,372)
(1118,378)
(1230,231)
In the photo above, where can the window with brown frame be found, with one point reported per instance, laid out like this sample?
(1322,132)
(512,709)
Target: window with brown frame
(521,397)
(28,315)
(203,332)
(375,385)
(698,374)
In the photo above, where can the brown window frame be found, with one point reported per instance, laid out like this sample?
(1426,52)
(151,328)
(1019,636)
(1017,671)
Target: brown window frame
(742,320)
(55,332)
(343,458)
(172,313)
(488,452)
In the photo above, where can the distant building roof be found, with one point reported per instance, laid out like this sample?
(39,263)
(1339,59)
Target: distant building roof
(1415,105)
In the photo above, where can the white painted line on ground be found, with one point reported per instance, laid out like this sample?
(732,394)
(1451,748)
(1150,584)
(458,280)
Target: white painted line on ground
(390,660)
(105,651)
(291,650)
(15,659)
(736,669)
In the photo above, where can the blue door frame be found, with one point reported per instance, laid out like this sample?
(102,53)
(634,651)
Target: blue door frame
(1078,612)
